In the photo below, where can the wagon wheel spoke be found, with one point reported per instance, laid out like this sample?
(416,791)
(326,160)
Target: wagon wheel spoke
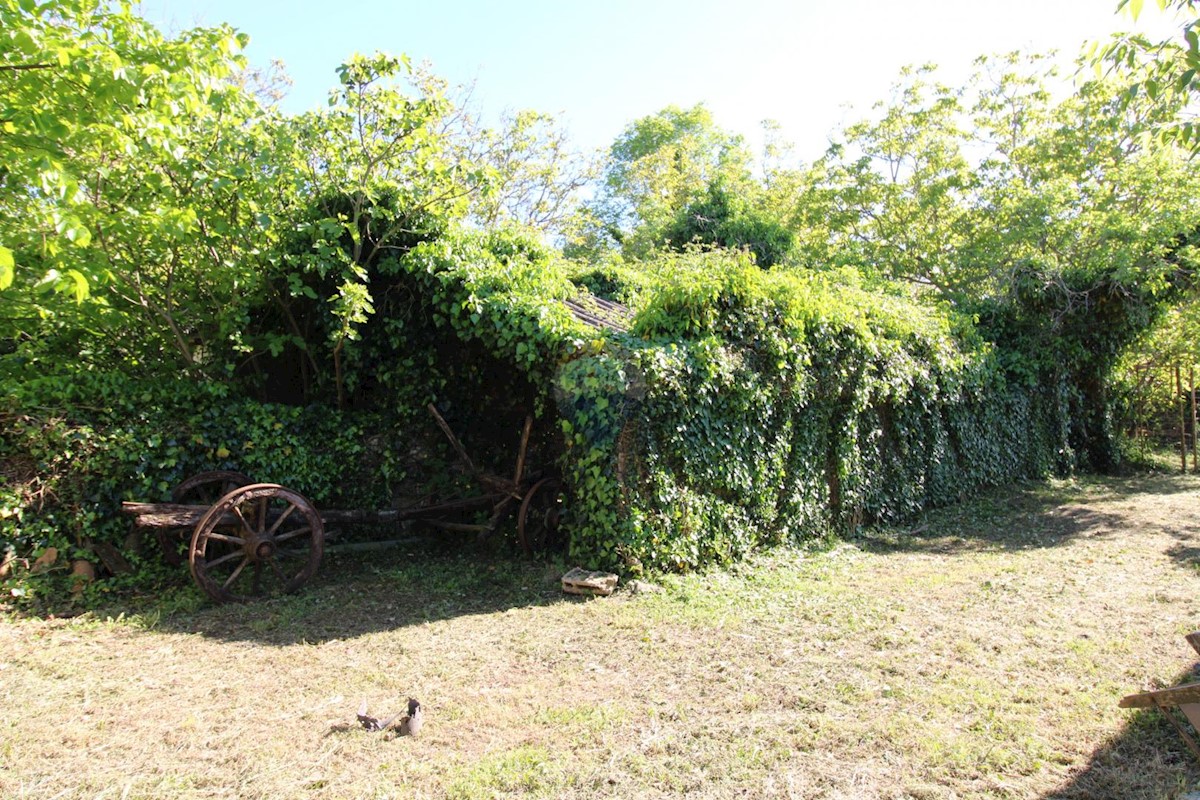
(282,517)
(283,537)
(262,515)
(208,487)
(278,572)
(223,537)
(204,489)
(237,512)
(225,558)
(238,571)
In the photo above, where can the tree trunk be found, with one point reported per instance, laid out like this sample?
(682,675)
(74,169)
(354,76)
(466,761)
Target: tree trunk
(1093,426)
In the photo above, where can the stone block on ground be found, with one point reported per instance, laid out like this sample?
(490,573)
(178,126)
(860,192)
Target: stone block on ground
(582,581)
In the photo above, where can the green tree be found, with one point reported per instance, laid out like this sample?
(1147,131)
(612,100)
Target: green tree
(724,219)
(536,176)
(1166,71)
(1144,380)
(958,190)
(892,197)
(367,179)
(130,184)
(657,166)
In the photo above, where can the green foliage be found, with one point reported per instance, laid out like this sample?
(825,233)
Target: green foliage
(749,408)
(131,188)
(1062,224)
(1146,398)
(534,175)
(73,448)
(1166,72)
(613,279)
(487,315)
(957,190)
(951,288)
(659,165)
(724,219)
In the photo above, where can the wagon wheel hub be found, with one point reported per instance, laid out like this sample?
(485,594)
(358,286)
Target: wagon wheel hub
(264,549)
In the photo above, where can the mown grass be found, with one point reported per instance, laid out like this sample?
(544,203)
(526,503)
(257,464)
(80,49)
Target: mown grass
(978,652)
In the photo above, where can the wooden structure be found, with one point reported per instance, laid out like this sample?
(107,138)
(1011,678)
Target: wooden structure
(600,313)
(1186,698)
(1182,423)
(250,539)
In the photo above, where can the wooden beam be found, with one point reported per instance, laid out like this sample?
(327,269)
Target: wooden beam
(165,515)
(454,442)
(1182,424)
(1175,696)
(1192,399)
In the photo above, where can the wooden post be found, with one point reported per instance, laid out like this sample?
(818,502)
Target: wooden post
(1182,423)
(1192,399)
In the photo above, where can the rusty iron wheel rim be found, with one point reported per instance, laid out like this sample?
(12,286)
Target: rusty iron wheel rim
(539,516)
(255,542)
(203,488)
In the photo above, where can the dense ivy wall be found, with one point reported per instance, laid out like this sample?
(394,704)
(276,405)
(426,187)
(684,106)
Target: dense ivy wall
(750,408)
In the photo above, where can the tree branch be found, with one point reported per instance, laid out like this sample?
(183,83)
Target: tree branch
(24,67)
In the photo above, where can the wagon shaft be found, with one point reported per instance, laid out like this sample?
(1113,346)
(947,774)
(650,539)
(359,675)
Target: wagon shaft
(176,515)
(166,515)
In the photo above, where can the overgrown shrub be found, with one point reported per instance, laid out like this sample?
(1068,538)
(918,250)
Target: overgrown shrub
(470,321)
(749,408)
(74,448)
(743,408)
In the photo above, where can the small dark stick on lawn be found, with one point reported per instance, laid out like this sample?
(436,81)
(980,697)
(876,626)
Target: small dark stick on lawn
(411,724)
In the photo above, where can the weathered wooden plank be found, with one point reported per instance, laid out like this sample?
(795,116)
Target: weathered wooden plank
(462,527)
(1175,696)
(1192,712)
(174,515)
(164,515)
(600,313)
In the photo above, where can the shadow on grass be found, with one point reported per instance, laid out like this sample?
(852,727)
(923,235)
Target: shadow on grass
(354,595)
(1147,759)
(1035,515)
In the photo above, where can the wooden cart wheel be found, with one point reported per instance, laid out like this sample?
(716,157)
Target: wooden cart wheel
(256,541)
(202,489)
(540,515)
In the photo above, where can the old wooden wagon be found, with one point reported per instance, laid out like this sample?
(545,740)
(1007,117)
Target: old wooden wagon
(252,539)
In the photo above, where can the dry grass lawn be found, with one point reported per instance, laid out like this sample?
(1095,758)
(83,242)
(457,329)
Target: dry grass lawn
(980,656)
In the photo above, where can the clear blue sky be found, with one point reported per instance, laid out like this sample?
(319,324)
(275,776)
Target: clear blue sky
(600,65)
